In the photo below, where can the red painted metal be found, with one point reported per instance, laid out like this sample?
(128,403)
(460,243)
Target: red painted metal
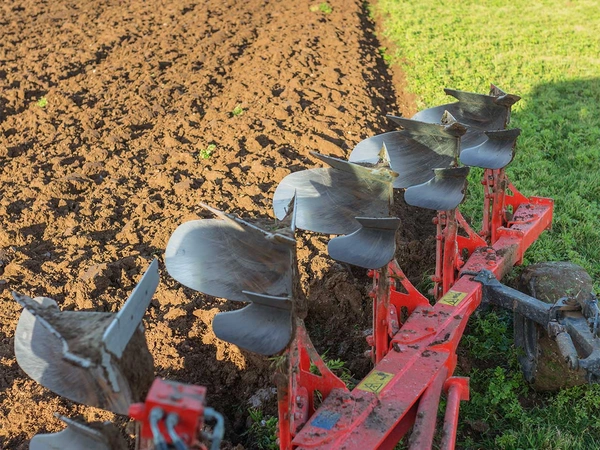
(298,388)
(381,408)
(457,389)
(424,427)
(385,316)
(187,401)
(450,254)
(390,304)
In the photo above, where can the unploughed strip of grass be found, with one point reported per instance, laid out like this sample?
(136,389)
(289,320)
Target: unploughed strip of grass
(548,52)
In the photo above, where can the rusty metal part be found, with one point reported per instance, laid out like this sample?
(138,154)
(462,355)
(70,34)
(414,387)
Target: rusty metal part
(329,199)
(98,359)
(566,326)
(445,191)
(371,247)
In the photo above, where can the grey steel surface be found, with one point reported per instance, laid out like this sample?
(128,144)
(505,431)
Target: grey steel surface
(223,257)
(67,351)
(76,436)
(45,355)
(329,199)
(128,319)
(480,113)
(233,259)
(415,151)
(477,111)
(495,152)
(371,247)
(445,191)
(264,326)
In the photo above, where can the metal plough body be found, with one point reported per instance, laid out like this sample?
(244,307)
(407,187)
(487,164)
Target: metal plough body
(413,342)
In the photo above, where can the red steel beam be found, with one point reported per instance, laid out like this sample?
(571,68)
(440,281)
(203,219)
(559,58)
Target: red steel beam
(424,346)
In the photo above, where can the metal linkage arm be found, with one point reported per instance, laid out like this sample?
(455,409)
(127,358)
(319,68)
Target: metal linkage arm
(573,325)
(499,294)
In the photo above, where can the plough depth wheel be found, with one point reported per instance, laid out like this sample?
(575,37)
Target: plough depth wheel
(542,363)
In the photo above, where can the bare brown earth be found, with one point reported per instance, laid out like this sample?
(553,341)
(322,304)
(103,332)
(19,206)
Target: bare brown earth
(93,183)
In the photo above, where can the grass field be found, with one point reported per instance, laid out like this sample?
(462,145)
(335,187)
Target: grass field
(548,52)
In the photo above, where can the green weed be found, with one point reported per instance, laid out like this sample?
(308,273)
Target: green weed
(279,362)
(42,102)
(324,7)
(262,432)
(338,367)
(237,111)
(207,152)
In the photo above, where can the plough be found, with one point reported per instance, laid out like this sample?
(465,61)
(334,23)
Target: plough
(101,359)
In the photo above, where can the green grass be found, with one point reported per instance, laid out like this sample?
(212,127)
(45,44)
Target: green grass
(262,432)
(548,53)
(42,102)
(339,369)
(505,413)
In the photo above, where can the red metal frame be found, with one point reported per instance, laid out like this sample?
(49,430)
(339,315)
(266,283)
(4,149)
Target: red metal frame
(297,389)
(184,400)
(415,360)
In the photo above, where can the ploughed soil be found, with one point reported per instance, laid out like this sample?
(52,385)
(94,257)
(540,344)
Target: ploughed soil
(117,120)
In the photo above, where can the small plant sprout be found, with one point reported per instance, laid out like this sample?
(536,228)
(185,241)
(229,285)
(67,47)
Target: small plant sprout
(237,111)
(324,7)
(207,152)
(42,102)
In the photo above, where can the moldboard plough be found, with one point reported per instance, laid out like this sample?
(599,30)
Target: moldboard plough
(101,359)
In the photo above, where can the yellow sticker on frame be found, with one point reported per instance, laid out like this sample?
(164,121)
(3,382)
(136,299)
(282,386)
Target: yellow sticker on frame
(452,298)
(375,382)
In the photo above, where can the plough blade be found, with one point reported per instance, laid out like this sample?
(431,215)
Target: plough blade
(264,326)
(476,111)
(443,192)
(71,352)
(78,436)
(226,256)
(371,247)
(414,151)
(235,260)
(496,152)
(119,332)
(329,199)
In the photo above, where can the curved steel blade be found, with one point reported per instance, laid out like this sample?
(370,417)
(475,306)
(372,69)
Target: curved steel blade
(78,436)
(66,352)
(371,247)
(477,111)
(444,192)
(415,151)
(495,152)
(264,326)
(128,319)
(223,257)
(329,199)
